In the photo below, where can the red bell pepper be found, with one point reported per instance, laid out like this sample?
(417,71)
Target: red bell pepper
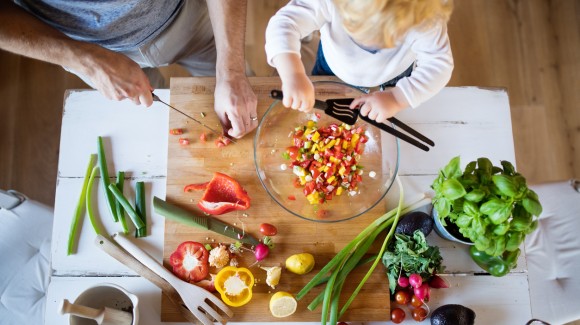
(222,194)
(190,261)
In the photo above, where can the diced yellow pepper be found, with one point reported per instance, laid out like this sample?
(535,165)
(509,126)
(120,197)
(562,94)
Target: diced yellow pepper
(334,159)
(314,148)
(339,191)
(330,179)
(310,124)
(345,145)
(354,139)
(316,136)
(337,143)
(341,170)
(313,198)
(330,144)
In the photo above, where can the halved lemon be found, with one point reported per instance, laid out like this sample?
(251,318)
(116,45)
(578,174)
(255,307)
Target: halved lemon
(282,304)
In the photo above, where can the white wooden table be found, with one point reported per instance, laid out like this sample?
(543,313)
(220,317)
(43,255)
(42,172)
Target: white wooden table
(470,122)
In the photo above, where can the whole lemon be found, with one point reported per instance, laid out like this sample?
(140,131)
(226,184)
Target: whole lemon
(300,263)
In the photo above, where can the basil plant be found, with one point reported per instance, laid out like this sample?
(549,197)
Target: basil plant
(492,206)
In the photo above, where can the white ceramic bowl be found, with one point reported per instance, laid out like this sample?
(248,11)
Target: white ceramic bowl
(107,295)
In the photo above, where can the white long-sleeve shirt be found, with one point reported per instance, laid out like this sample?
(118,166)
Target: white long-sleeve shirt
(429,49)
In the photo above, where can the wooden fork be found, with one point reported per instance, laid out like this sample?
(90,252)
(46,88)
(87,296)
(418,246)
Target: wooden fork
(195,298)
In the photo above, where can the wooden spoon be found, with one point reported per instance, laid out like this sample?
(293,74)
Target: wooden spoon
(103,316)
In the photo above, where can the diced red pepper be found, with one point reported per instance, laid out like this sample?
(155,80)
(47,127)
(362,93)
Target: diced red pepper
(202,137)
(176,131)
(183,141)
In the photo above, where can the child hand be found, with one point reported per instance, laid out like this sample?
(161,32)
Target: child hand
(298,93)
(378,106)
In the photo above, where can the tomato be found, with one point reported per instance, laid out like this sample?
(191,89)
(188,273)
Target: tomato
(190,261)
(416,302)
(267,229)
(397,315)
(321,214)
(292,197)
(419,314)
(183,141)
(293,152)
(402,297)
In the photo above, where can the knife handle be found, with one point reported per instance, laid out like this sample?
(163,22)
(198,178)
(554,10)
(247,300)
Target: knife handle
(178,214)
(278,94)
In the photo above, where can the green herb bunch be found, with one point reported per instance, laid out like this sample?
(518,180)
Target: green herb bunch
(492,206)
(411,254)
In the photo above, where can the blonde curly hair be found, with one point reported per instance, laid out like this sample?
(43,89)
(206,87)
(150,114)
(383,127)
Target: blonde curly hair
(384,22)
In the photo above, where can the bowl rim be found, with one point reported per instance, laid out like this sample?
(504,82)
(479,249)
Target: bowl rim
(259,130)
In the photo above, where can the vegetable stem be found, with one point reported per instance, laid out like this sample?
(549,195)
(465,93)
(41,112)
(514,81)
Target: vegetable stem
(72,236)
(89,199)
(127,206)
(140,208)
(120,212)
(383,247)
(105,178)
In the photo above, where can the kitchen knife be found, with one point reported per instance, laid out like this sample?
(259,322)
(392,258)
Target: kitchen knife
(157,99)
(178,214)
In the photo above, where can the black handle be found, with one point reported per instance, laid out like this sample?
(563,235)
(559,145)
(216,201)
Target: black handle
(412,131)
(396,133)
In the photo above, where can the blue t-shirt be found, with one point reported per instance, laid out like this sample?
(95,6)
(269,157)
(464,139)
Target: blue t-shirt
(114,24)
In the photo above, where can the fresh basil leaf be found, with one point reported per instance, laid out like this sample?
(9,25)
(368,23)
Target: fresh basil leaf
(464,221)
(470,168)
(475,195)
(496,170)
(521,219)
(443,208)
(532,206)
(508,168)
(482,243)
(501,215)
(470,208)
(501,229)
(469,181)
(452,189)
(491,206)
(505,185)
(514,240)
(452,170)
(532,227)
(485,165)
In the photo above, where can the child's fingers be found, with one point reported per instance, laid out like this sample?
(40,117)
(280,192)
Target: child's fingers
(358,102)
(373,115)
(287,100)
(296,103)
(365,109)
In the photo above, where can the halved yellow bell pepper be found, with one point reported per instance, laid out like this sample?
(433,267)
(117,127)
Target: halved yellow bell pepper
(235,285)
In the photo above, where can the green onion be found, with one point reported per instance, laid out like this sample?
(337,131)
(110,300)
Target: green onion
(89,199)
(348,258)
(127,206)
(105,177)
(140,208)
(79,209)
(120,212)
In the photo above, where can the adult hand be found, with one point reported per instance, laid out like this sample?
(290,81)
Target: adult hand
(378,106)
(117,77)
(235,105)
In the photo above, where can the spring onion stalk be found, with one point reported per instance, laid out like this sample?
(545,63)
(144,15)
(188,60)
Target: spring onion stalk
(127,206)
(381,252)
(105,178)
(140,208)
(89,199)
(79,209)
(349,257)
(120,212)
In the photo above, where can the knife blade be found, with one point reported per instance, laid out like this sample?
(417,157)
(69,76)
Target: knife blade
(157,99)
(190,218)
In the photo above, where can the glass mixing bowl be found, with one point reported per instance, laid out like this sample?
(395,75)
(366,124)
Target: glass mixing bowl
(380,159)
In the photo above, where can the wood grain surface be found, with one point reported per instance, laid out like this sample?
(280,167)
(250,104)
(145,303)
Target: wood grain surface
(197,162)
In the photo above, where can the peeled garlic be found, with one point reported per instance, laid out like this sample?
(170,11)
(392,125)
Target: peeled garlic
(273,274)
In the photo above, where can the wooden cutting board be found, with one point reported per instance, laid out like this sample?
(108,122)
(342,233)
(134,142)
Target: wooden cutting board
(196,163)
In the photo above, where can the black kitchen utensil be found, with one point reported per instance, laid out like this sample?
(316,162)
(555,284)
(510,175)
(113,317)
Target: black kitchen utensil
(340,110)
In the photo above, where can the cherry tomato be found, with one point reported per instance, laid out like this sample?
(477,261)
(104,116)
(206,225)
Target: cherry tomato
(402,297)
(416,302)
(176,131)
(268,230)
(293,152)
(419,314)
(183,141)
(397,315)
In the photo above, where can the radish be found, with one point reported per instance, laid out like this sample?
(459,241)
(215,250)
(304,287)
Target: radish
(403,281)
(423,292)
(261,251)
(415,280)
